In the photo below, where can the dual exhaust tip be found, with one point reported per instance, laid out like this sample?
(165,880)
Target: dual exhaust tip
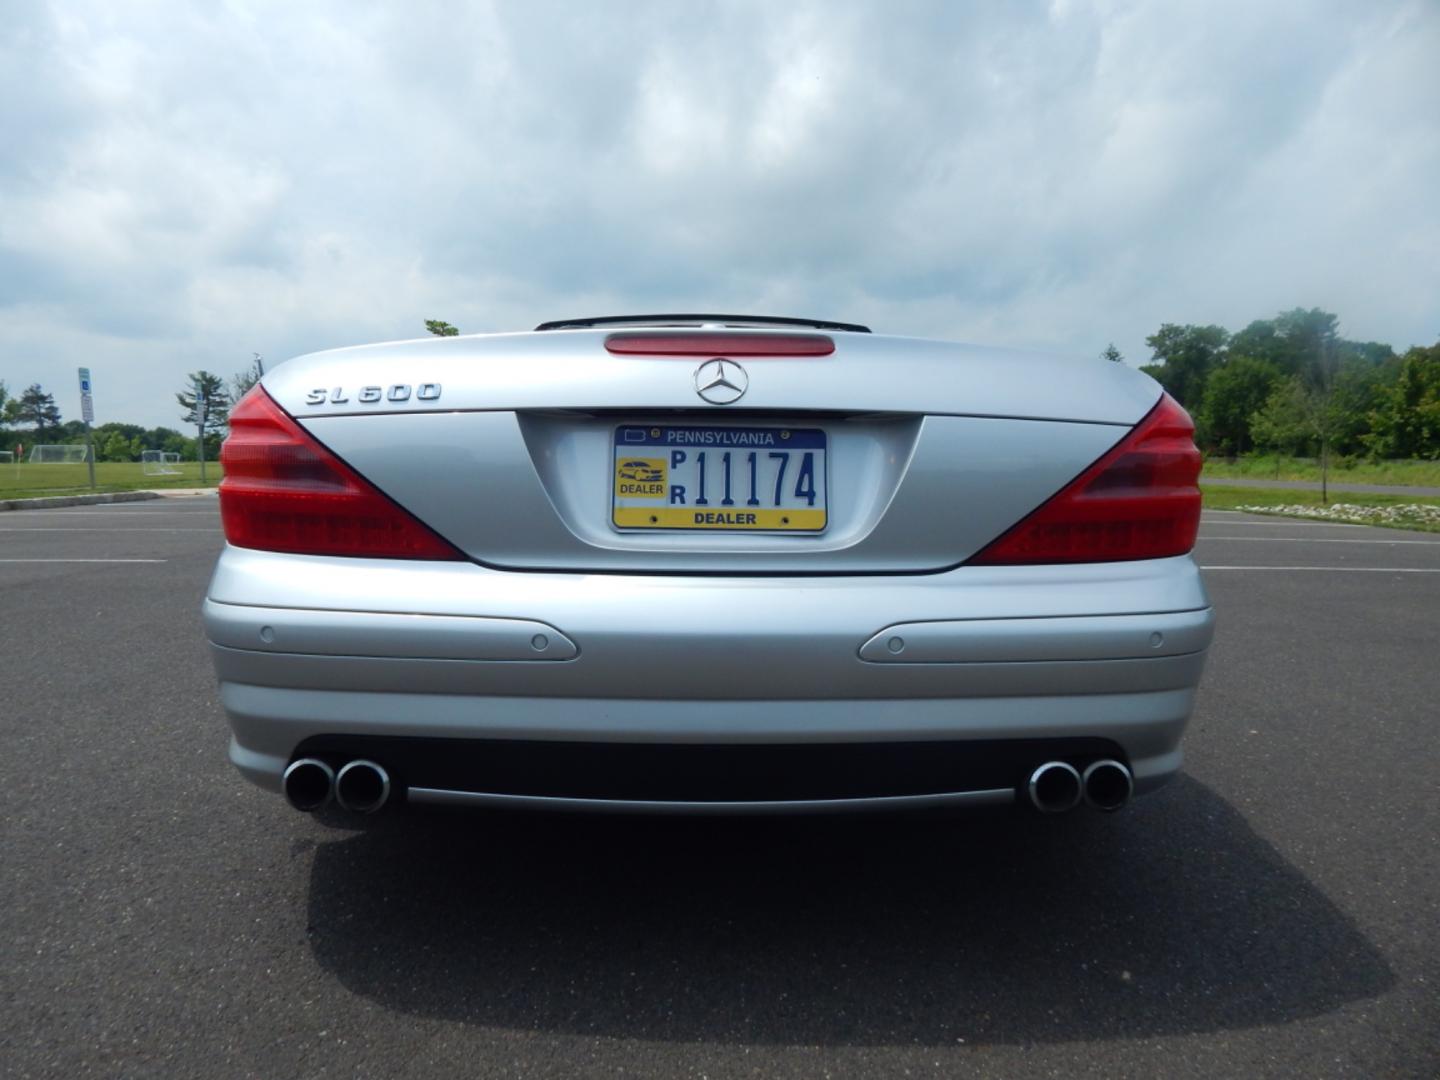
(360,786)
(1058,786)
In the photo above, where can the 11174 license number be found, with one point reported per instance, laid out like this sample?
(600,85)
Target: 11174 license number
(720,478)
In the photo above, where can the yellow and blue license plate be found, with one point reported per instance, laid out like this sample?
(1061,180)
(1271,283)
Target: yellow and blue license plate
(726,479)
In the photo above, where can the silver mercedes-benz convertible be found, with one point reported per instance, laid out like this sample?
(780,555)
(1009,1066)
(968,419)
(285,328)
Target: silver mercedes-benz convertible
(707,564)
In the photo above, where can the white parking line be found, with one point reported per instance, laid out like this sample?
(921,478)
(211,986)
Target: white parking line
(1340,569)
(45,514)
(1285,524)
(31,515)
(79,528)
(1317,540)
(84,560)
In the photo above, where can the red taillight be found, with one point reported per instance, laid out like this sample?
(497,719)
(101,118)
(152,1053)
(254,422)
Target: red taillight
(709,343)
(283,491)
(1140,501)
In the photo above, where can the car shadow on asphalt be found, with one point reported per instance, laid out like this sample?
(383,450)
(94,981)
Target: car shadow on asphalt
(1171,917)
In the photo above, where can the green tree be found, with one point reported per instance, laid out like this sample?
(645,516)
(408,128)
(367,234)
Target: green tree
(1280,423)
(440,328)
(7,440)
(1306,342)
(129,431)
(1312,335)
(1361,386)
(1262,340)
(1186,355)
(167,439)
(1233,394)
(1407,421)
(37,409)
(114,441)
(1373,353)
(71,431)
(116,447)
(205,400)
(1297,416)
(242,381)
(163,438)
(1111,353)
(1315,336)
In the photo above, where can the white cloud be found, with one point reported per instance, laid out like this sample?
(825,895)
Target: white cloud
(183,186)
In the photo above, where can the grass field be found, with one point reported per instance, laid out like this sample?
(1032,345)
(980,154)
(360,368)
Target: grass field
(1271,467)
(27,481)
(1387,511)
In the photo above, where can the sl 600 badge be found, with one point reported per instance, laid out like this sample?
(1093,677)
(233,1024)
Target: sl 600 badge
(369,395)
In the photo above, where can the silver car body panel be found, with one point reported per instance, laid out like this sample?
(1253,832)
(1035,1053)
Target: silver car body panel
(375,633)
(511,460)
(565,629)
(1110,650)
(531,493)
(570,369)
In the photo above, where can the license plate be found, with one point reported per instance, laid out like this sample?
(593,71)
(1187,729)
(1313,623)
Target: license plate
(720,479)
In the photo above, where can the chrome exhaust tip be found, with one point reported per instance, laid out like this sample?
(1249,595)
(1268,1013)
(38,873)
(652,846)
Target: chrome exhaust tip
(1054,788)
(1108,785)
(362,786)
(308,784)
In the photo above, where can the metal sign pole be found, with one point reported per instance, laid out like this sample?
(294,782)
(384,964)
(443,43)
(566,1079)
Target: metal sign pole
(87,413)
(202,404)
(90,454)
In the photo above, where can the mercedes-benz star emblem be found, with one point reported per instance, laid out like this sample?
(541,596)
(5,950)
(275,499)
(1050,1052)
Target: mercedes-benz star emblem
(721,381)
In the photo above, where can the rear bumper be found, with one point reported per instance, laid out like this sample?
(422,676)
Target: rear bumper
(310,648)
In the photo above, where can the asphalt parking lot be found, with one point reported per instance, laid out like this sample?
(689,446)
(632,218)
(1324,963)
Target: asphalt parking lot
(1276,912)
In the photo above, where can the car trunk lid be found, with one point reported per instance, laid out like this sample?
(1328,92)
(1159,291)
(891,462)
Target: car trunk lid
(513,446)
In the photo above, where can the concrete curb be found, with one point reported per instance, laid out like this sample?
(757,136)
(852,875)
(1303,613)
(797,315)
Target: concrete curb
(78,500)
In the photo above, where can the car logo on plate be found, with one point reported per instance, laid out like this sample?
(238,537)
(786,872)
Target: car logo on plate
(721,381)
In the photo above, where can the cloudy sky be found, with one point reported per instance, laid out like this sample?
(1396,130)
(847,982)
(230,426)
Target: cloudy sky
(184,184)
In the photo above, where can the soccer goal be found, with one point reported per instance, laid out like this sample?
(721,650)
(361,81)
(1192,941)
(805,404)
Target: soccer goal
(159,463)
(71,454)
